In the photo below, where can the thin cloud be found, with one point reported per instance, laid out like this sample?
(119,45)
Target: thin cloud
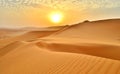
(62,4)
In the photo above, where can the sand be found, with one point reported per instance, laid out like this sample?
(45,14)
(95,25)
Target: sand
(85,48)
(104,30)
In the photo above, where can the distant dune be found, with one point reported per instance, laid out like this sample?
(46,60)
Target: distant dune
(84,48)
(7,33)
(105,30)
(27,36)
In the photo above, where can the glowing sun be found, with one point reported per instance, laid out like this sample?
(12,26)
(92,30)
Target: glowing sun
(56,17)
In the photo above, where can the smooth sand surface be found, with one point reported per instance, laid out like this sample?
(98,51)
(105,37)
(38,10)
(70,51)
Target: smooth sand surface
(104,30)
(30,59)
(85,48)
(74,45)
(29,36)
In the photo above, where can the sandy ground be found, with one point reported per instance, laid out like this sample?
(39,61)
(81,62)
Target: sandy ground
(85,48)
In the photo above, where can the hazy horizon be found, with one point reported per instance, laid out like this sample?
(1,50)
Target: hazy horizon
(34,13)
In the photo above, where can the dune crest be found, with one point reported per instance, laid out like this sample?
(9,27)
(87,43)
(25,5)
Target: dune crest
(84,48)
(105,30)
(30,59)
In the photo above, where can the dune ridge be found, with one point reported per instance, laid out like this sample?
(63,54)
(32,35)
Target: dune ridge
(29,36)
(84,48)
(96,48)
(10,47)
(30,59)
(105,30)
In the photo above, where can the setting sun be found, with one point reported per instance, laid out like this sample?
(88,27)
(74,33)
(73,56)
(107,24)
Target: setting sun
(56,17)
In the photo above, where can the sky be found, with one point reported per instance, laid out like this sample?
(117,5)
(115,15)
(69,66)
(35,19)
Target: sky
(34,13)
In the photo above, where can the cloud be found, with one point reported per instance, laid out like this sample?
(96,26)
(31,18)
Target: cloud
(19,3)
(62,4)
(85,4)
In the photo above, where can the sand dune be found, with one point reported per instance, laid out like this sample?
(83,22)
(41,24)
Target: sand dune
(30,59)
(102,49)
(106,30)
(29,36)
(84,48)
(10,47)
(7,33)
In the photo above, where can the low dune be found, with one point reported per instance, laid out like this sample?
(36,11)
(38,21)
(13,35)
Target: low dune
(7,33)
(28,36)
(84,48)
(10,47)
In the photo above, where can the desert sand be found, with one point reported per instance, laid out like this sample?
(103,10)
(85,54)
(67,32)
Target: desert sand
(84,48)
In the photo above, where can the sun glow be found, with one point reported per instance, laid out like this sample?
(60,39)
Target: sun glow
(56,17)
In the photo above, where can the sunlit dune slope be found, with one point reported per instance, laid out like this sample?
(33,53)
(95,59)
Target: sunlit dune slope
(98,38)
(11,47)
(81,46)
(85,48)
(30,59)
(104,30)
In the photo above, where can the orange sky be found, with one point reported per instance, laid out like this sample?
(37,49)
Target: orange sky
(35,12)
(39,17)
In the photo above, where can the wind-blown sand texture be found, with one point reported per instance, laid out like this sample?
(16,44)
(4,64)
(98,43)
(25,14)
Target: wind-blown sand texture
(85,48)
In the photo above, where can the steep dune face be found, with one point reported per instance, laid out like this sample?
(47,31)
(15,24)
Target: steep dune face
(101,49)
(107,30)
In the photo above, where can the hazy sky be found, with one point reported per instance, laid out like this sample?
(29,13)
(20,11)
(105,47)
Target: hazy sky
(18,13)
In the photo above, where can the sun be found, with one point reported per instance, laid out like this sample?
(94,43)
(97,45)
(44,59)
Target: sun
(56,17)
